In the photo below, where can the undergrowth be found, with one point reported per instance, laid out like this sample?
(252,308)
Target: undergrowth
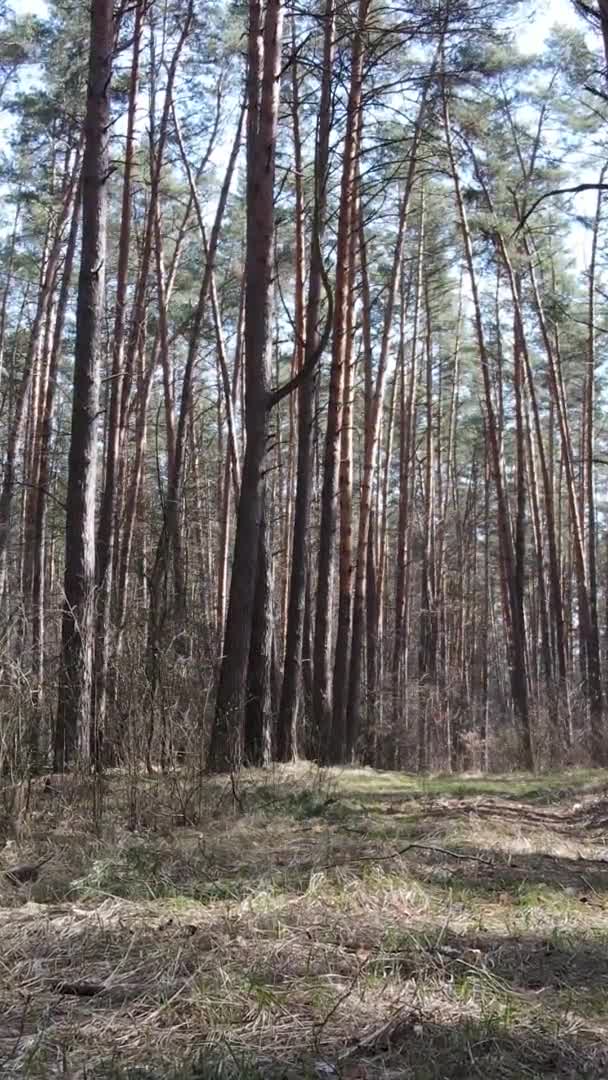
(303,923)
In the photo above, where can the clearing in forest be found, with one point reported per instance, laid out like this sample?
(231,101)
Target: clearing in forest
(309,924)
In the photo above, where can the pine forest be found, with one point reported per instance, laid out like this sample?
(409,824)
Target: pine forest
(303,539)
(302,410)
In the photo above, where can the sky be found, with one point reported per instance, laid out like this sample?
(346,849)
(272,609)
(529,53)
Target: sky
(555,11)
(29,7)
(535,31)
(538,17)
(547,15)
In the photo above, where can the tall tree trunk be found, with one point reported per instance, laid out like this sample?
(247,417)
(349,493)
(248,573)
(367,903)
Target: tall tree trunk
(294,636)
(74,707)
(107,511)
(517,650)
(546,463)
(299,348)
(427,643)
(589,635)
(372,431)
(139,312)
(39,583)
(20,415)
(170,534)
(375,600)
(339,749)
(521,493)
(263,102)
(258,711)
(598,734)
(231,481)
(407,426)
(322,690)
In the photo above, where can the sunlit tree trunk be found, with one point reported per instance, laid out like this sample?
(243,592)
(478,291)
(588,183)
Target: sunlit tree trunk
(294,635)
(517,660)
(107,512)
(322,689)
(40,585)
(225,749)
(372,432)
(407,425)
(340,744)
(73,727)
(598,734)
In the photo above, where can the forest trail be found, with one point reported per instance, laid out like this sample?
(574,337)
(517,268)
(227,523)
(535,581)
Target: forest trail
(309,924)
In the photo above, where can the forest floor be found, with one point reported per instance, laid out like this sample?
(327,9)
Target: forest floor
(308,924)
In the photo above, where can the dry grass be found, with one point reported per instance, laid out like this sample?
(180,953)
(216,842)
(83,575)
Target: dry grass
(182,932)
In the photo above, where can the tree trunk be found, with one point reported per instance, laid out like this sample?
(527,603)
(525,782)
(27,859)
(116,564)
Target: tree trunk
(73,729)
(322,691)
(517,658)
(225,749)
(107,510)
(258,712)
(598,734)
(340,749)
(407,426)
(288,707)
(589,634)
(17,427)
(372,430)
(39,583)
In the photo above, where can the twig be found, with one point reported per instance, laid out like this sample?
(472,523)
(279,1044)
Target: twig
(319,1028)
(452,854)
(600,904)
(409,847)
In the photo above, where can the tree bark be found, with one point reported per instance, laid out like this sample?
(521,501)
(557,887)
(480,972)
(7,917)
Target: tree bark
(372,431)
(322,689)
(517,650)
(106,531)
(226,746)
(73,730)
(294,636)
(39,583)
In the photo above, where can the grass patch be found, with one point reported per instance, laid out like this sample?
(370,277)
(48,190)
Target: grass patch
(545,789)
(351,924)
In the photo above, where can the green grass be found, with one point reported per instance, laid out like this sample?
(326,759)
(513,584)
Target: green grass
(518,786)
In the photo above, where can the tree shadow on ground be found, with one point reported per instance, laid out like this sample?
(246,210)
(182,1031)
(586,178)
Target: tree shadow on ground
(553,965)
(541,809)
(591,816)
(479,1004)
(408,1045)
(465,868)
(491,872)
(398,805)
(538,1001)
